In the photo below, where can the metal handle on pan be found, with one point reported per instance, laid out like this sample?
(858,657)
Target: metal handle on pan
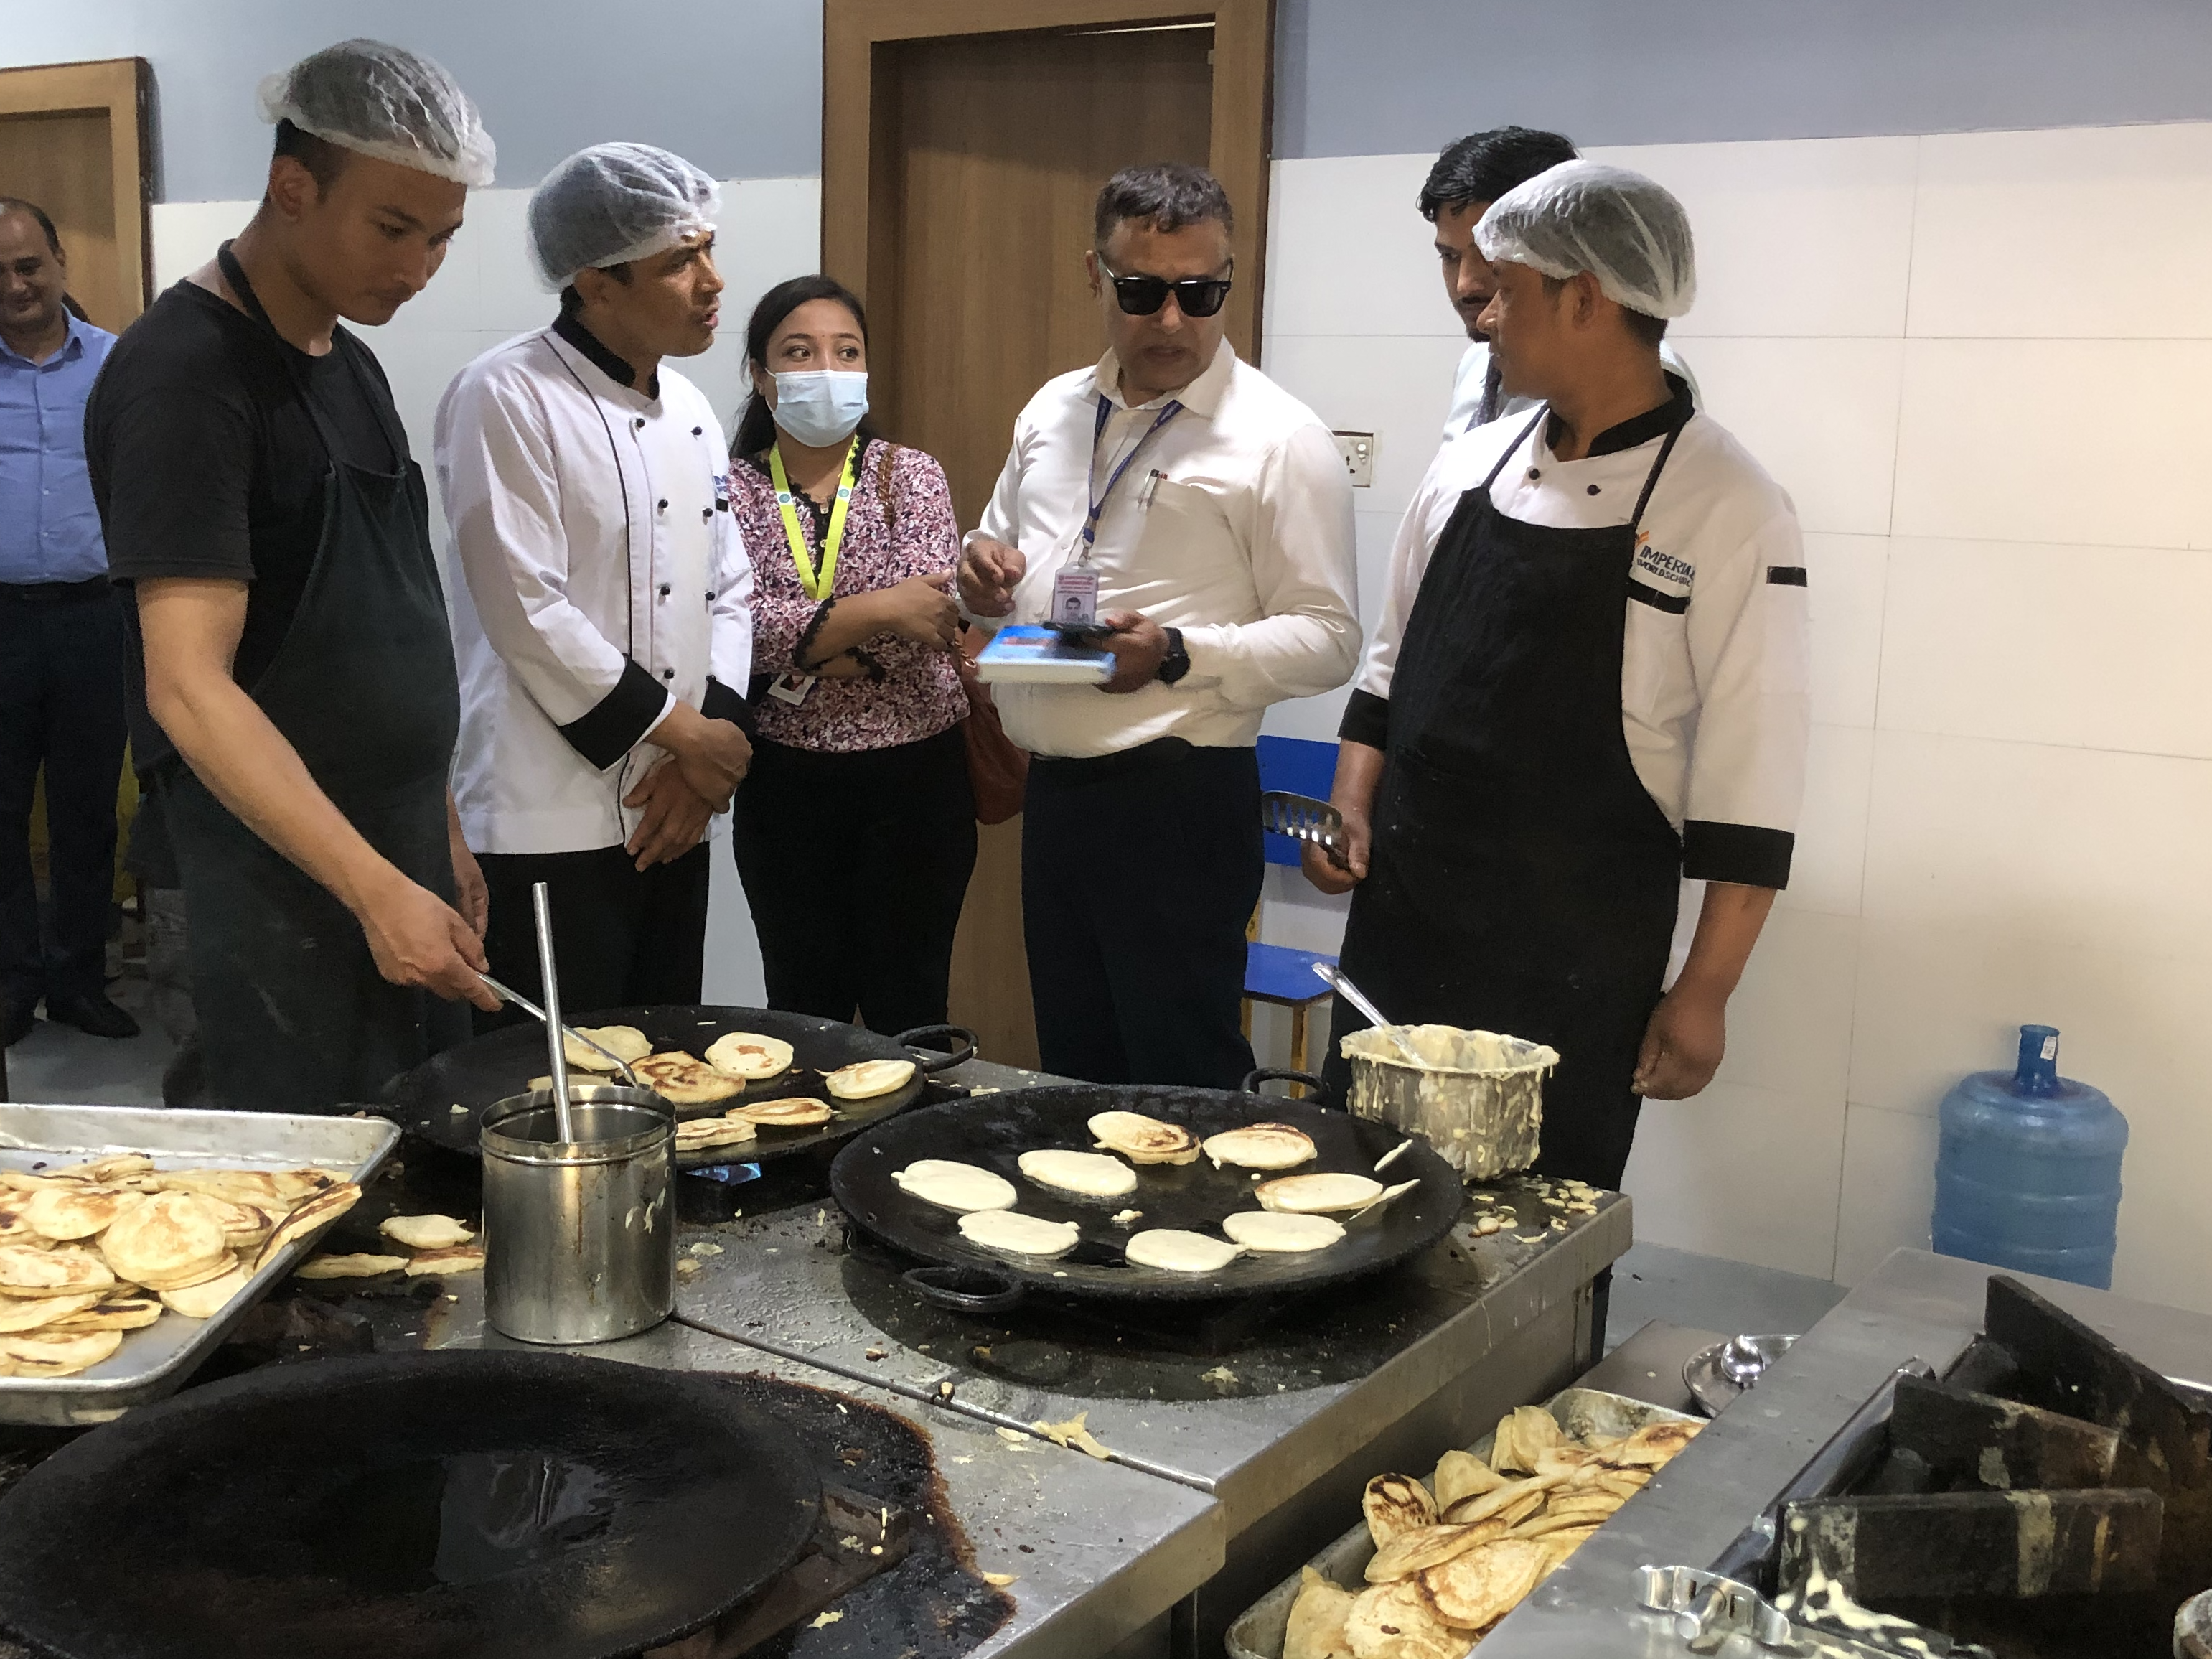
(964,1289)
(929,1059)
(1254,1078)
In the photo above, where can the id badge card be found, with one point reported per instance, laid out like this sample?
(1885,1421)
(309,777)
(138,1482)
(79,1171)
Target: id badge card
(790,687)
(1074,597)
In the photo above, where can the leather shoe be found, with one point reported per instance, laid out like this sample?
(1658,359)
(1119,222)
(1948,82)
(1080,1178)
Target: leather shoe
(16,1020)
(94,1014)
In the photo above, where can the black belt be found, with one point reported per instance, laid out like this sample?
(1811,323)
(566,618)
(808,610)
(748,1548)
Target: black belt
(91,588)
(1097,769)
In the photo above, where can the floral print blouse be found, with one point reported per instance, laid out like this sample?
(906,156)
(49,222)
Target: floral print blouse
(912,534)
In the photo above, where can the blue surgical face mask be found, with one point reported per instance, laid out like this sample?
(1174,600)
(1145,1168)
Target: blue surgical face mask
(821,406)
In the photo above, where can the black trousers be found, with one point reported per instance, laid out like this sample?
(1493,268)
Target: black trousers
(855,867)
(61,706)
(622,937)
(1139,873)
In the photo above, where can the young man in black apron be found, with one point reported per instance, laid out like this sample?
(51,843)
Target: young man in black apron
(255,485)
(1590,680)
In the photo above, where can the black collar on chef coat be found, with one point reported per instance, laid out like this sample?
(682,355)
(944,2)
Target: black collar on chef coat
(616,368)
(1670,416)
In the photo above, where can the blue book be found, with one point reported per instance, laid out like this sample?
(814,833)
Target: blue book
(1031,653)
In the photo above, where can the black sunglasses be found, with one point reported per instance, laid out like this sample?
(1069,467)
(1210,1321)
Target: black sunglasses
(1195,296)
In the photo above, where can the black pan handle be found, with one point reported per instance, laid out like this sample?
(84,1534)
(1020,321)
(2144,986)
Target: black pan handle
(1277,1074)
(928,1060)
(965,1290)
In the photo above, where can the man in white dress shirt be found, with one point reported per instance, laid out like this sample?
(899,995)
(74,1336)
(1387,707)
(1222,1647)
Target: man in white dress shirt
(1214,514)
(1470,175)
(604,623)
(1590,680)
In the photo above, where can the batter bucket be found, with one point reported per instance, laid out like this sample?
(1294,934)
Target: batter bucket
(1476,1097)
(580,1237)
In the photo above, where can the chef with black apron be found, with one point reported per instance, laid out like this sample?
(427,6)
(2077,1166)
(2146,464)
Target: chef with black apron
(255,486)
(1589,681)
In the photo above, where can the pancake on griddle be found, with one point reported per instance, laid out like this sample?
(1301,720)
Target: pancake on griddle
(748,1054)
(1268,1229)
(794,1112)
(1178,1251)
(424,1233)
(1144,1139)
(1309,1194)
(951,1185)
(1261,1146)
(1017,1234)
(1092,1175)
(357,1266)
(686,1081)
(864,1079)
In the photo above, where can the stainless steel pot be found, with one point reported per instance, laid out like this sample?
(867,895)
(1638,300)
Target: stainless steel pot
(1476,1097)
(580,1237)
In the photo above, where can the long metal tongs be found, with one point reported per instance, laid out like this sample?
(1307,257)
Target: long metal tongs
(1283,812)
(505,995)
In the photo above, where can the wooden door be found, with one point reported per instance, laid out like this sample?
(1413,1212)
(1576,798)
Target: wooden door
(72,141)
(964,144)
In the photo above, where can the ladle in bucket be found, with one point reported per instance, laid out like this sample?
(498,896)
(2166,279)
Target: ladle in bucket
(1358,998)
(541,903)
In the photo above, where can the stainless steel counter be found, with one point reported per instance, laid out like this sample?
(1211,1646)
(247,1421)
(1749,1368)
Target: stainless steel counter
(1283,1431)
(1101,1555)
(1917,1305)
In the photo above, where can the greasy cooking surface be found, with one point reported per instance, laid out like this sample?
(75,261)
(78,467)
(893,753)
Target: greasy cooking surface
(994,1131)
(490,1068)
(465,1505)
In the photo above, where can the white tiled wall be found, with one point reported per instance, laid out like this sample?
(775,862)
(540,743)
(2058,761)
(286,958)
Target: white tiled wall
(486,292)
(1978,363)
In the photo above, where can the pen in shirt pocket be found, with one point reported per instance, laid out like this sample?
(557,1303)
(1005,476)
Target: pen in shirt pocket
(1151,487)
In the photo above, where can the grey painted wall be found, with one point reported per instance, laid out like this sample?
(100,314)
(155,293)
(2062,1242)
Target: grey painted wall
(734,85)
(1368,78)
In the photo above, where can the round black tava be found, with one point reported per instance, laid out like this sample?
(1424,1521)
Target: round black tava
(993,1131)
(460,1505)
(476,1074)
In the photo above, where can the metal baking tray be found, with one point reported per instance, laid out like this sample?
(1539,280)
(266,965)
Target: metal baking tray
(1258,1631)
(156,1361)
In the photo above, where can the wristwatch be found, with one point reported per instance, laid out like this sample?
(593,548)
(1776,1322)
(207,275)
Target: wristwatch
(1176,663)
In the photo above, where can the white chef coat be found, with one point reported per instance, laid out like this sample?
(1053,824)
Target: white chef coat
(603,579)
(1474,368)
(1715,701)
(1234,523)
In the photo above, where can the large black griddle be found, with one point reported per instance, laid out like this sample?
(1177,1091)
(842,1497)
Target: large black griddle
(465,1505)
(486,1069)
(994,1131)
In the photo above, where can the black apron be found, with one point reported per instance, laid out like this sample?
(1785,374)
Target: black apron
(293,1013)
(1520,879)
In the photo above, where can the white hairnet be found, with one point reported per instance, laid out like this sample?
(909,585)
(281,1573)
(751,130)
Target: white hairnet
(612,204)
(386,102)
(1618,226)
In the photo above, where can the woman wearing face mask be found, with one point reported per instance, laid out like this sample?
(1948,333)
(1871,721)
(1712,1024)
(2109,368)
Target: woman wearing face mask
(856,828)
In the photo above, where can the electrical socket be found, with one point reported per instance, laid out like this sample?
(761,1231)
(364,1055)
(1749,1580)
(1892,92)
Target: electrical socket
(1357,449)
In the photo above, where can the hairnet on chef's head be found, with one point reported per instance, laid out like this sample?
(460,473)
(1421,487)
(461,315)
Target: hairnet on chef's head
(1618,226)
(612,204)
(386,102)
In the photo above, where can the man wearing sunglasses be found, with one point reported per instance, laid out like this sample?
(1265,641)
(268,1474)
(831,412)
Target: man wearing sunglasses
(1203,516)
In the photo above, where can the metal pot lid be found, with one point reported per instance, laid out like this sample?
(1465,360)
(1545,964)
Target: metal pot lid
(994,1131)
(464,1505)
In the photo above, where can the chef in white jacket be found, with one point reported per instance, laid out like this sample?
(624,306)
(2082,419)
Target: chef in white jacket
(603,621)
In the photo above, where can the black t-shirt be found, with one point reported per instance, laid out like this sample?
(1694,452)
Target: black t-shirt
(205,463)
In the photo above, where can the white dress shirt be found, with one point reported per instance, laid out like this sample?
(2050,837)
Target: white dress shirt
(1716,703)
(1474,370)
(1233,524)
(603,579)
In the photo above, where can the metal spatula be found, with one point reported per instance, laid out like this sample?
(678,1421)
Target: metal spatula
(1303,818)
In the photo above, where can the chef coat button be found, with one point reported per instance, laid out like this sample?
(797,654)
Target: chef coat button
(664,590)
(696,430)
(706,512)
(1593,489)
(1534,475)
(664,506)
(668,673)
(641,423)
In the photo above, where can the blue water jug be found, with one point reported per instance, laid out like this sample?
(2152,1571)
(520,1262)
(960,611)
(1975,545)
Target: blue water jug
(2029,1174)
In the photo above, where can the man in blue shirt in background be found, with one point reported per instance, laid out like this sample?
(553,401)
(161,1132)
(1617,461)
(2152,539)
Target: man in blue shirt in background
(62,644)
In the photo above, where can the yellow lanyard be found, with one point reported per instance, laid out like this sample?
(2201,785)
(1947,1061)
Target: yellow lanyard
(816,587)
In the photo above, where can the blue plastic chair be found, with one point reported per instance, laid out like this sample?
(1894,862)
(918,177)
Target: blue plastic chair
(1277,973)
